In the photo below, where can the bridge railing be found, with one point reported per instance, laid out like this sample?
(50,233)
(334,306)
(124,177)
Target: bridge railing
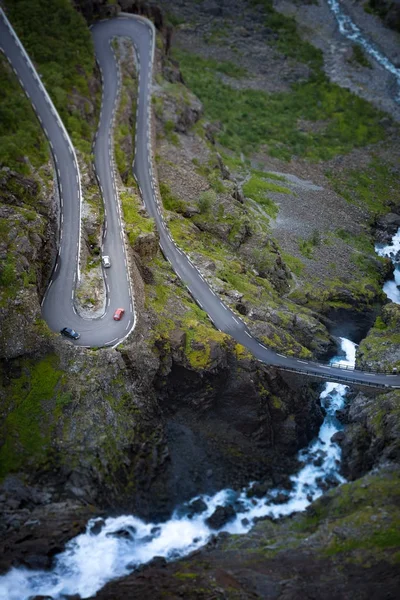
(339,365)
(335,377)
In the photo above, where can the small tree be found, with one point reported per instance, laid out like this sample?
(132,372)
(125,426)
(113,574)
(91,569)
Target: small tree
(206,200)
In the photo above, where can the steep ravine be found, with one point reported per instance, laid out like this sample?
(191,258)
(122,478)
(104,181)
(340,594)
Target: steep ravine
(150,426)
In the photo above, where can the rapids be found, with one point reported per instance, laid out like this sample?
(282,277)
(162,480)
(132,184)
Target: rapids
(392,251)
(113,549)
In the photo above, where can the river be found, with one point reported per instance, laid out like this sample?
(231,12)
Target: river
(114,547)
(351,31)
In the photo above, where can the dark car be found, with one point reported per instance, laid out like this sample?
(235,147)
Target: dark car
(70,333)
(119,313)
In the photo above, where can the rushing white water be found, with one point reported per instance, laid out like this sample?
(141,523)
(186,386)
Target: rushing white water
(349,29)
(93,558)
(392,251)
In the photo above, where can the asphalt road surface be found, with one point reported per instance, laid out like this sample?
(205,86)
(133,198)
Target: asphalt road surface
(58,304)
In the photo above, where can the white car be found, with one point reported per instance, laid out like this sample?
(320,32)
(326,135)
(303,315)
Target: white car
(106,262)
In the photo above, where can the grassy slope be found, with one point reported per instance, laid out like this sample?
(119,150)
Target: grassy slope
(60,44)
(254,119)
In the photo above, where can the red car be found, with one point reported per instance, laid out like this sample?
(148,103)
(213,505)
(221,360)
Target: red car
(119,313)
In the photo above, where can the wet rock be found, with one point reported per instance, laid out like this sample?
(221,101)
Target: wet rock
(221,516)
(240,507)
(37,561)
(338,437)
(280,498)
(155,530)
(127,533)
(259,489)
(197,506)
(331,481)
(386,226)
(97,526)
(158,562)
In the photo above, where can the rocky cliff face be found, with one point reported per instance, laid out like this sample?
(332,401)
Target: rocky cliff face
(180,409)
(388,10)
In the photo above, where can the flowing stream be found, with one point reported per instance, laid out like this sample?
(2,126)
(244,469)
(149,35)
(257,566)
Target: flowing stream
(392,251)
(349,29)
(114,547)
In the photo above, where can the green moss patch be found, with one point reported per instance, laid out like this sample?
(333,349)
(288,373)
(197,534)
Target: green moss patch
(251,118)
(135,220)
(34,402)
(371,188)
(257,188)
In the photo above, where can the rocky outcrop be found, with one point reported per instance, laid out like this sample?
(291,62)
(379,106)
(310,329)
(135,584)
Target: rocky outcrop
(27,252)
(232,422)
(388,10)
(33,529)
(380,349)
(372,436)
(386,226)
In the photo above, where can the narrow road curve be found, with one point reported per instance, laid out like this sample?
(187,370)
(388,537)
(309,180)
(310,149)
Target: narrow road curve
(58,305)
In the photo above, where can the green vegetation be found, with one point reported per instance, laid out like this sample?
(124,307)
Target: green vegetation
(15,274)
(170,202)
(34,401)
(308,246)
(371,188)
(257,187)
(294,263)
(359,521)
(381,346)
(20,133)
(199,333)
(273,176)
(288,41)
(124,130)
(60,44)
(252,118)
(206,201)
(135,221)
(362,241)
(360,57)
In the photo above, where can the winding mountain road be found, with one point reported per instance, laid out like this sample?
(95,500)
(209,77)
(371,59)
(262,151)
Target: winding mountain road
(58,304)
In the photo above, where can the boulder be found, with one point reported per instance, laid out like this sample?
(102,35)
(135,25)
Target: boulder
(221,516)
(127,533)
(97,526)
(197,506)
